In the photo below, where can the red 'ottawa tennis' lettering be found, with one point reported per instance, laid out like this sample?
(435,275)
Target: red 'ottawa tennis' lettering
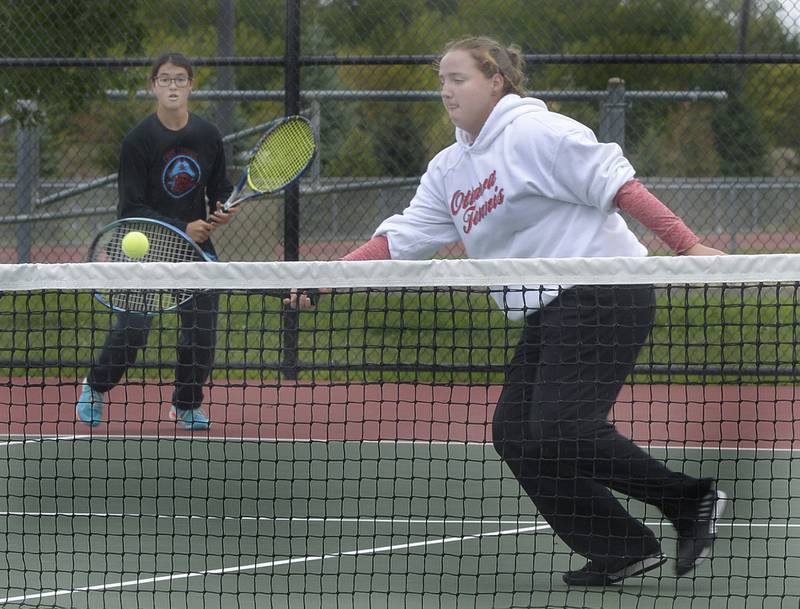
(474,213)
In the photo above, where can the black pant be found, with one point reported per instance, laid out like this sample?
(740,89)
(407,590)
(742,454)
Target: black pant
(196,341)
(551,425)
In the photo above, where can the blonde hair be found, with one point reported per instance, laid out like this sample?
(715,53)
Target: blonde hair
(493,58)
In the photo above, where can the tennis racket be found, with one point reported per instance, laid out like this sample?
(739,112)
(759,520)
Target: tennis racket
(166,244)
(281,157)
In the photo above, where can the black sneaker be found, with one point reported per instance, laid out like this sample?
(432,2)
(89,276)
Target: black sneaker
(696,537)
(605,573)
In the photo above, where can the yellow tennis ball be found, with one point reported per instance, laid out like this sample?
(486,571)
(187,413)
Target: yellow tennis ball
(135,245)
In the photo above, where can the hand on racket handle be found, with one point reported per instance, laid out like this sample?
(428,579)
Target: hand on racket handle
(199,230)
(222,216)
(304,300)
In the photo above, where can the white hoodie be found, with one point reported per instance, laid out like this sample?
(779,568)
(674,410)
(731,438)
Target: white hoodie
(533,184)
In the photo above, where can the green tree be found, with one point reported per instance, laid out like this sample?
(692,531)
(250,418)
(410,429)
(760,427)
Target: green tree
(70,28)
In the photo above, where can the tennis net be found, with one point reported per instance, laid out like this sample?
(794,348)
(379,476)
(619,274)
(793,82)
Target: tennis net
(354,454)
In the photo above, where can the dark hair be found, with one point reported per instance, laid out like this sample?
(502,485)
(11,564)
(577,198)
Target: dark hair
(493,58)
(177,59)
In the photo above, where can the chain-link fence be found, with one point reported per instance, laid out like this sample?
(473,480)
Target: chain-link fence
(702,94)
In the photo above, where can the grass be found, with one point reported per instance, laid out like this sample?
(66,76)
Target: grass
(732,328)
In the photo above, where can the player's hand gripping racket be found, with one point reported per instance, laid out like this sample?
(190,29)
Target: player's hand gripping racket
(162,243)
(281,157)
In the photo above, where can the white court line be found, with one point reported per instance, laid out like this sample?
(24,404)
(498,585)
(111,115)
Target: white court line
(309,559)
(367,520)
(264,565)
(209,438)
(325,519)
(40,439)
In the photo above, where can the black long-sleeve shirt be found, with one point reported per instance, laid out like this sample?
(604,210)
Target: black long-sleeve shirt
(173,176)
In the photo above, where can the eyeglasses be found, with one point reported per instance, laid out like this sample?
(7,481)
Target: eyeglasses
(180,81)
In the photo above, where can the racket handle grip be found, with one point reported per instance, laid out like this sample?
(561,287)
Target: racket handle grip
(230,202)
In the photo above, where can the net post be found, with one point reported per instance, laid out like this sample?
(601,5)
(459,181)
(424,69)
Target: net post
(612,113)
(27,168)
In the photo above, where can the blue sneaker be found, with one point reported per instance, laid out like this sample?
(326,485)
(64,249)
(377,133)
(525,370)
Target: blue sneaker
(91,403)
(189,418)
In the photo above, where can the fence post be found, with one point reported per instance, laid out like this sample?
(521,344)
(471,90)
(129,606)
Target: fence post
(27,179)
(612,113)
(734,221)
(226,23)
(316,122)
(291,198)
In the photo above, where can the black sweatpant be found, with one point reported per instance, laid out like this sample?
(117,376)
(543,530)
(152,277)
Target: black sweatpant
(551,426)
(196,341)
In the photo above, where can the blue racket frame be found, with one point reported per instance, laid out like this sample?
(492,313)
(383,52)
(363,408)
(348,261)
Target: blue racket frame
(182,248)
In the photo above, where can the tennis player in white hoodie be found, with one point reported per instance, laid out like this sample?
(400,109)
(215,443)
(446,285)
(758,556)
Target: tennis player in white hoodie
(519,182)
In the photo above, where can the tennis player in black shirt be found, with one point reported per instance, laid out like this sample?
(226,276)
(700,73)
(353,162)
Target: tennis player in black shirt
(172,169)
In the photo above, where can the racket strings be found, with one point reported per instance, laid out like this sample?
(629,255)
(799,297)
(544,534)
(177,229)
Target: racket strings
(164,246)
(282,156)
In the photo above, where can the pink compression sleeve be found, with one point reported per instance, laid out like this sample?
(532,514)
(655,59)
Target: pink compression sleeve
(634,199)
(376,248)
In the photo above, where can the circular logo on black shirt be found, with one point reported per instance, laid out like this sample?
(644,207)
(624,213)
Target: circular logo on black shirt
(181,176)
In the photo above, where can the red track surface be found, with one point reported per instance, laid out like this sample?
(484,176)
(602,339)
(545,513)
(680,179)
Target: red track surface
(744,241)
(730,415)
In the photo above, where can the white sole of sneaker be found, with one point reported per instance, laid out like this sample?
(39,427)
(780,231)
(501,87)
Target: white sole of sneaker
(638,568)
(720,505)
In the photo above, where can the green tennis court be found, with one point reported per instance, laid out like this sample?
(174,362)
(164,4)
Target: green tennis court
(177,522)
